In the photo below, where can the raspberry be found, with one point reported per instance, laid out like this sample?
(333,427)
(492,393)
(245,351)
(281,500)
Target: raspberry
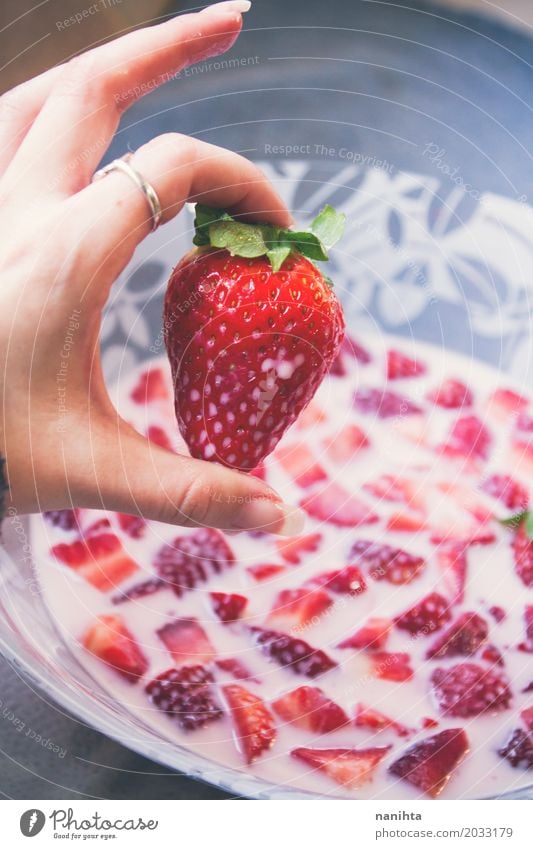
(465,636)
(190,560)
(469,690)
(428,615)
(186,696)
(67,520)
(293,653)
(507,490)
(386,563)
(518,749)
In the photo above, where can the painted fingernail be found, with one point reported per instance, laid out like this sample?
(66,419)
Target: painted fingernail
(275,517)
(230,6)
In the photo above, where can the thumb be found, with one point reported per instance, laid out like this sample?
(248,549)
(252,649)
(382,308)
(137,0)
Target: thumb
(135,476)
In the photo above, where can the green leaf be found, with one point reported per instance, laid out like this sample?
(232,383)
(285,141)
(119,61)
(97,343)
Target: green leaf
(525,517)
(307,244)
(204,217)
(277,254)
(239,239)
(328,226)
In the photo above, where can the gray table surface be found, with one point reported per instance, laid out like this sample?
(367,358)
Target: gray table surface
(381,78)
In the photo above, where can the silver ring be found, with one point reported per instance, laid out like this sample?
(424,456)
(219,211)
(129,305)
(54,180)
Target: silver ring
(146,188)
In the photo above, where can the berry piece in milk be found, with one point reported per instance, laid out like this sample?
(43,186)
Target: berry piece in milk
(385,653)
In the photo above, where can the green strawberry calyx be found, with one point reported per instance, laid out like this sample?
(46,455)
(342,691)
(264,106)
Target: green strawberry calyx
(218,229)
(525,517)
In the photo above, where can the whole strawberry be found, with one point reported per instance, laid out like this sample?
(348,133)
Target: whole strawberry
(251,329)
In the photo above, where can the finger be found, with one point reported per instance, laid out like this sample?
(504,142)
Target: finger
(131,475)
(113,212)
(84,107)
(18,109)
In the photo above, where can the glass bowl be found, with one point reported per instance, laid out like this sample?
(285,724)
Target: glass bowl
(421,258)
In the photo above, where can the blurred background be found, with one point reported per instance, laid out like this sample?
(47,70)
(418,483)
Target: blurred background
(430,103)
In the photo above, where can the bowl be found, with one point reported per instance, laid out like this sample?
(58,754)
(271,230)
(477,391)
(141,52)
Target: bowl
(419,259)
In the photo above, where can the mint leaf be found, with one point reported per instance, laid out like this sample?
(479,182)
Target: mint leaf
(239,239)
(525,517)
(204,217)
(307,244)
(328,226)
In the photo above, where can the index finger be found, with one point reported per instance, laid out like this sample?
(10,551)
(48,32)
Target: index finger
(84,107)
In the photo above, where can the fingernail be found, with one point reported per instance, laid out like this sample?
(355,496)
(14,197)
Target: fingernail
(275,517)
(230,6)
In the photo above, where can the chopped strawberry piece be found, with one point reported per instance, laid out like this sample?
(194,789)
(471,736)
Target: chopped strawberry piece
(100,560)
(373,635)
(93,529)
(497,613)
(191,560)
(310,708)
(134,526)
(428,615)
(186,695)
(429,764)
(400,365)
(464,637)
(429,722)
(469,690)
(469,437)
(110,640)
(349,767)
(186,641)
(347,581)
(384,404)
(335,505)
(506,403)
(366,717)
(342,447)
(263,571)
(311,416)
(300,464)
(386,563)
(66,520)
(523,433)
(527,644)
(527,718)
(406,522)
(355,349)
(293,653)
(453,563)
(463,535)
(492,655)
(523,556)
(140,590)
(294,550)
(505,489)
(235,668)
(451,394)
(518,750)
(228,606)
(254,724)
(259,472)
(391,666)
(159,436)
(151,386)
(298,608)
(397,489)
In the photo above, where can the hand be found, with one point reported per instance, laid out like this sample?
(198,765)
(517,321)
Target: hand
(65,240)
